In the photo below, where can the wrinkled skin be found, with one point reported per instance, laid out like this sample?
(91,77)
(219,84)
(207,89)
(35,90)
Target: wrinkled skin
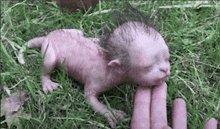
(84,61)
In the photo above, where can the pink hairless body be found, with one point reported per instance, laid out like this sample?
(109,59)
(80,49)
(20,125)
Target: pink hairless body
(86,61)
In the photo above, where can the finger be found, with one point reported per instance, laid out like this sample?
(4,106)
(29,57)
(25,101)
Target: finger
(211,124)
(141,111)
(158,107)
(179,115)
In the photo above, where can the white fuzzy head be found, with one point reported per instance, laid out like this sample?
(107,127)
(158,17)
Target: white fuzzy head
(139,51)
(149,57)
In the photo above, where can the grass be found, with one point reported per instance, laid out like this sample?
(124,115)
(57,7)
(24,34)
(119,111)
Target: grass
(193,35)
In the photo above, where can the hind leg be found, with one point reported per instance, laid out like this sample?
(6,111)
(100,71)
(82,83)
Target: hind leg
(50,60)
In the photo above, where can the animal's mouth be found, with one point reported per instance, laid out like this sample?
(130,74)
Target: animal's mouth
(161,81)
(165,78)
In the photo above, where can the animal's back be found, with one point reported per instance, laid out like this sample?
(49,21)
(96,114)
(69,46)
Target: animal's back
(78,54)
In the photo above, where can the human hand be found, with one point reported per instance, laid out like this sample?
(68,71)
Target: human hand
(150,110)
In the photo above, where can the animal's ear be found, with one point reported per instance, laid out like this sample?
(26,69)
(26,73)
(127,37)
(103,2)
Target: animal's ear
(116,64)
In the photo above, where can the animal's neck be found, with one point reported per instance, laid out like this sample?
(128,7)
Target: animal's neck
(114,78)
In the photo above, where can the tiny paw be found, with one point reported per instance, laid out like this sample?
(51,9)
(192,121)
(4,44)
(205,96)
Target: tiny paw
(111,120)
(119,114)
(50,86)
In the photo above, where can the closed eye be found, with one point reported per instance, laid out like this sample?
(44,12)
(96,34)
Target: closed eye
(148,68)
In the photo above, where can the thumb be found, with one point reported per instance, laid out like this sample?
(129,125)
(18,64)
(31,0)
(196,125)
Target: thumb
(166,127)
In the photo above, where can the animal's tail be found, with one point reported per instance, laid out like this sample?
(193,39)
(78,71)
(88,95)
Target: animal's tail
(36,42)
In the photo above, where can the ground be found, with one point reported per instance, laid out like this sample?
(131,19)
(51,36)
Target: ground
(192,33)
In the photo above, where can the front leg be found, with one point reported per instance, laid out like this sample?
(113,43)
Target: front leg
(101,109)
